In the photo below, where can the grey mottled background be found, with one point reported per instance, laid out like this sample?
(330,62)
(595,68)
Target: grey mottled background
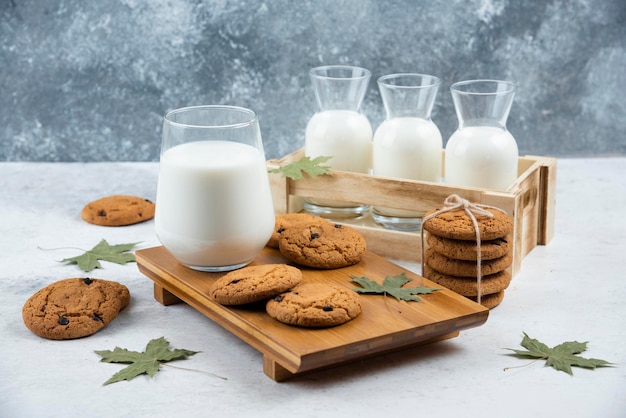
(90,80)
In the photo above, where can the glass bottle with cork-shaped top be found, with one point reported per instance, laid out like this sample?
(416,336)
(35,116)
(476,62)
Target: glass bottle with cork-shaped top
(340,131)
(482,152)
(408,144)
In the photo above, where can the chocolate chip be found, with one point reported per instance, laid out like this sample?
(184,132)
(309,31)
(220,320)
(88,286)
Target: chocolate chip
(280,230)
(102,212)
(315,235)
(87,281)
(337,226)
(63,320)
(96,317)
(234,281)
(327,308)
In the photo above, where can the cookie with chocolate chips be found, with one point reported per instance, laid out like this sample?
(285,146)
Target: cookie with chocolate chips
(315,305)
(288,220)
(323,246)
(254,283)
(118,210)
(74,308)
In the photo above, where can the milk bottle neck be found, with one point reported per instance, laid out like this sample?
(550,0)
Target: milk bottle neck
(482,102)
(408,95)
(339,87)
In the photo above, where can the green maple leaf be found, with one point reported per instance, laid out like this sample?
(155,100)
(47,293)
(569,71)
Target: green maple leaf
(313,167)
(147,362)
(562,357)
(103,251)
(392,285)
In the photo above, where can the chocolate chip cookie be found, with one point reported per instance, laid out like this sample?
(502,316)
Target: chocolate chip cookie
(285,221)
(315,305)
(74,308)
(323,246)
(254,283)
(118,210)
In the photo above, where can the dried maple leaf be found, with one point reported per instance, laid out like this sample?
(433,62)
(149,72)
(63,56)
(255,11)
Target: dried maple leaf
(310,166)
(147,362)
(561,357)
(392,285)
(102,251)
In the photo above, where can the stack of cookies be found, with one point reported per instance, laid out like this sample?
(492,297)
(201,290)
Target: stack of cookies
(451,254)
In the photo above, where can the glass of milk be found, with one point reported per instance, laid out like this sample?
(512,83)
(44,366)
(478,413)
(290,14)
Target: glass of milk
(214,209)
(481,152)
(340,131)
(408,144)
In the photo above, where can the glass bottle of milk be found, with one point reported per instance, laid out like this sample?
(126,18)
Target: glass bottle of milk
(408,144)
(340,131)
(481,152)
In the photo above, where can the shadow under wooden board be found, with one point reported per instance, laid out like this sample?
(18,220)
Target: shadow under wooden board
(384,325)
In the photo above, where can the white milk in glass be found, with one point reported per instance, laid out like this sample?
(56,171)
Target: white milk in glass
(225,184)
(481,156)
(407,148)
(346,135)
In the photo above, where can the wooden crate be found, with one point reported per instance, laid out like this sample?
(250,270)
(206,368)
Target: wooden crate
(530,201)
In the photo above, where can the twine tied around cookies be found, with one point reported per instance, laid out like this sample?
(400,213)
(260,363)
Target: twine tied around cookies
(456,202)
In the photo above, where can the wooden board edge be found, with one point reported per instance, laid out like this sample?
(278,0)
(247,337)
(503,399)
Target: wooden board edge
(400,339)
(278,373)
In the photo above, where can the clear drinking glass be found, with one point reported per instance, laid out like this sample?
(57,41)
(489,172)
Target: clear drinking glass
(482,152)
(340,131)
(408,144)
(214,209)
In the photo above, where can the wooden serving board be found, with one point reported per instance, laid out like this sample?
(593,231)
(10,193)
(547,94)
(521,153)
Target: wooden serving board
(384,325)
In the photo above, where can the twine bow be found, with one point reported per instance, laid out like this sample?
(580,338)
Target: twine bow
(456,202)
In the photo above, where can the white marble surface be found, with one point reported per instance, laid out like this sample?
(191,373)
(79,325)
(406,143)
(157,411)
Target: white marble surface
(572,289)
